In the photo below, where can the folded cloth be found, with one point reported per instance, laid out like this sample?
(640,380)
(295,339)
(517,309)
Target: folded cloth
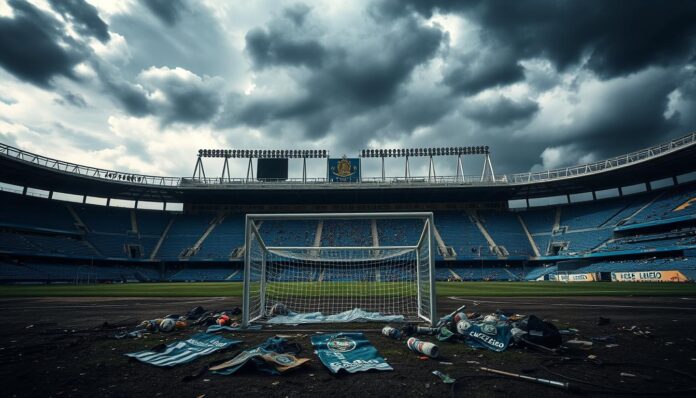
(354,315)
(184,351)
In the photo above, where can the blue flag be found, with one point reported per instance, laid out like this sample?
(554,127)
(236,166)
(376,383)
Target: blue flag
(350,352)
(184,351)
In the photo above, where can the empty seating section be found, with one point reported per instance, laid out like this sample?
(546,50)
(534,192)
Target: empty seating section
(26,211)
(226,236)
(76,273)
(538,220)
(581,242)
(671,204)
(115,220)
(202,274)
(185,231)
(487,273)
(538,272)
(60,245)
(680,238)
(399,232)
(346,233)
(288,232)
(45,227)
(590,214)
(457,230)
(507,231)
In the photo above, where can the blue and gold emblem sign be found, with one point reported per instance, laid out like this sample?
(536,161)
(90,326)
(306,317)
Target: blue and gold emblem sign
(344,169)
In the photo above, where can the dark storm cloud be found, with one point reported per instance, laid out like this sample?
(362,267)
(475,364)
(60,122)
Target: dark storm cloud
(168,11)
(84,17)
(616,36)
(73,99)
(631,116)
(343,81)
(501,112)
(486,68)
(186,100)
(275,47)
(30,45)
(297,13)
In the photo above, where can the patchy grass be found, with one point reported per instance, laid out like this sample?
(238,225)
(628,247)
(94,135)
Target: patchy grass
(477,289)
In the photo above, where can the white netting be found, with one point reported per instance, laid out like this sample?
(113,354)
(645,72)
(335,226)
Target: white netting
(390,280)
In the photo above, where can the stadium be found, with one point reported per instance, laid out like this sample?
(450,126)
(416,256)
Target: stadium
(630,214)
(622,227)
(373,198)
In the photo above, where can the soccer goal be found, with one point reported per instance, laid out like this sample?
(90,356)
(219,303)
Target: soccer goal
(328,267)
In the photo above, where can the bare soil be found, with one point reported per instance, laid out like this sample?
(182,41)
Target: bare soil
(51,347)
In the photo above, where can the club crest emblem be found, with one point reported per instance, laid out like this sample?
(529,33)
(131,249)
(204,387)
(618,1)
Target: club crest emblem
(341,344)
(344,168)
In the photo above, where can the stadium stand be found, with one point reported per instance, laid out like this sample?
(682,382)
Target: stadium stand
(478,238)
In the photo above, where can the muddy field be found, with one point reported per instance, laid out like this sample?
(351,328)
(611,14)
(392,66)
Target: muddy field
(57,347)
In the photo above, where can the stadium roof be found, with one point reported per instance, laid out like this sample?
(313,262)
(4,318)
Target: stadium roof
(661,161)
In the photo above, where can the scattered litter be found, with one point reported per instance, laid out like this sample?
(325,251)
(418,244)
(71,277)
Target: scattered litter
(473,362)
(446,363)
(423,347)
(444,377)
(604,339)
(625,374)
(547,382)
(592,357)
(391,332)
(275,383)
(579,343)
(611,345)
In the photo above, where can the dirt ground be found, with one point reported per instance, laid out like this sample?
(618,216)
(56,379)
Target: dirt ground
(51,347)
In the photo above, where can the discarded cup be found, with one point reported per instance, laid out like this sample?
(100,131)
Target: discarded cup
(391,332)
(423,347)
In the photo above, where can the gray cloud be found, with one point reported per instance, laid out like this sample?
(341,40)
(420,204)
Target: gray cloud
(68,98)
(342,83)
(501,111)
(615,39)
(168,11)
(84,17)
(30,45)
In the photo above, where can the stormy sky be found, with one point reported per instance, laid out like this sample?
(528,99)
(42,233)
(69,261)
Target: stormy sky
(140,85)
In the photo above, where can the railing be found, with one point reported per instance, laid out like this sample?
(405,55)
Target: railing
(212,182)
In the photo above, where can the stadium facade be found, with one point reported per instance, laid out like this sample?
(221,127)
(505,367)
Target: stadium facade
(612,219)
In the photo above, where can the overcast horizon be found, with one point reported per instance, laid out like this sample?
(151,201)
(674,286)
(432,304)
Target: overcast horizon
(140,86)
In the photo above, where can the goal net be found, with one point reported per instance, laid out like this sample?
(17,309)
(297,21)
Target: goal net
(338,267)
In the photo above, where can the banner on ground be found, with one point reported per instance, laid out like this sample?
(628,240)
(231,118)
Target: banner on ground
(184,351)
(589,277)
(495,337)
(344,169)
(649,276)
(350,352)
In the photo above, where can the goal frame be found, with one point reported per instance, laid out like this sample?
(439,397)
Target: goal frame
(426,238)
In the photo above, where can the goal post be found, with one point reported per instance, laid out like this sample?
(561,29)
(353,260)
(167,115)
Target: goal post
(331,263)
